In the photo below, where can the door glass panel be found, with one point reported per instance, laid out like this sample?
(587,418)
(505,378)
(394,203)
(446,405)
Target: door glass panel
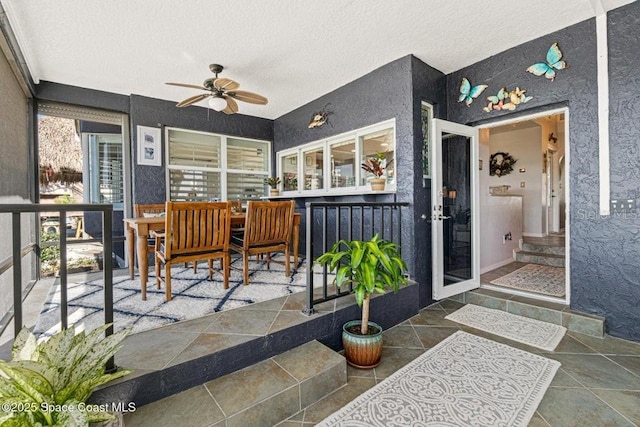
(457,208)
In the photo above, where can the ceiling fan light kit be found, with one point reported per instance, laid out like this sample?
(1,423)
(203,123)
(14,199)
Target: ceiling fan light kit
(222,93)
(217,103)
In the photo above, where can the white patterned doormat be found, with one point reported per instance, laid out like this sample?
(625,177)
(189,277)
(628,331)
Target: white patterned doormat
(541,279)
(193,296)
(464,381)
(517,328)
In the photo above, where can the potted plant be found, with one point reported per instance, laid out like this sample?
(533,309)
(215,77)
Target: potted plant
(48,383)
(371,266)
(373,165)
(273,182)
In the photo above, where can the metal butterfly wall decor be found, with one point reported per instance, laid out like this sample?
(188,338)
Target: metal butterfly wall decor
(507,100)
(468,93)
(320,118)
(552,63)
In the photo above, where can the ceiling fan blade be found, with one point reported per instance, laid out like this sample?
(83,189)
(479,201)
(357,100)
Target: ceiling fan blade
(244,96)
(225,84)
(192,100)
(232,106)
(187,85)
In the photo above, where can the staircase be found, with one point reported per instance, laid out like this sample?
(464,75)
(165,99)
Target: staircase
(264,394)
(543,250)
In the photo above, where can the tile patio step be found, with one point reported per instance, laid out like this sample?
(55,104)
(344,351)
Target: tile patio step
(540,258)
(543,249)
(545,311)
(262,394)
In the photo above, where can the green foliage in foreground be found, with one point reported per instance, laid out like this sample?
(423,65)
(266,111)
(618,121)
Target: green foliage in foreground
(47,383)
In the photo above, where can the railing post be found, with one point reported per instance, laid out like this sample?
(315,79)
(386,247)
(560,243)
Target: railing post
(107,274)
(62,227)
(309,308)
(17,274)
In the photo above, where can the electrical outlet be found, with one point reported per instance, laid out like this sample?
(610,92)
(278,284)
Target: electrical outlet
(506,237)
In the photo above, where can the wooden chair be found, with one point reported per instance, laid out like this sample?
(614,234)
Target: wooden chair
(194,231)
(267,229)
(146,210)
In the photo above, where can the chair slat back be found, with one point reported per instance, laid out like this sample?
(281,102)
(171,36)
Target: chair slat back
(268,223)
(150,208)
(197,227)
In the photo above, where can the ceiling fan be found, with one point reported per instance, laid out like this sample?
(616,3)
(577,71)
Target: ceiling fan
(222,92)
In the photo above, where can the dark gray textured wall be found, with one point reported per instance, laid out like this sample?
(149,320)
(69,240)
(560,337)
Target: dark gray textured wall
(606,275)
(429,85)
(149,181)
(391,91)
(602,281)
(75,95)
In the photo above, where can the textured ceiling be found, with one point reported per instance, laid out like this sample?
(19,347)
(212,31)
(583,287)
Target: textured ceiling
(291,51)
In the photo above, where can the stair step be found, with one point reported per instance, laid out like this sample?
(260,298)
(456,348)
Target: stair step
(543,249)
(265,393)
(540,258)
(544,311)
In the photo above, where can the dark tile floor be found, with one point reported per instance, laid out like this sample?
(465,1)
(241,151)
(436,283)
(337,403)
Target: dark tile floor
(597,385)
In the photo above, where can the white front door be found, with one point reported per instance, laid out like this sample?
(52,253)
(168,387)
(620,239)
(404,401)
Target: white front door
(454,211)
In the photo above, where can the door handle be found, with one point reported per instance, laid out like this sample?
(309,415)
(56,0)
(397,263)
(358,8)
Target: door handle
(442,217)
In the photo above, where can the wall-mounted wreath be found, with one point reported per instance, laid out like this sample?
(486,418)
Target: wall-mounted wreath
(501,164)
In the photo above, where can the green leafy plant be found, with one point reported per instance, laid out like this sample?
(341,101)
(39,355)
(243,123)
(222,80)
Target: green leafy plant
(371,266)
(50,253)
(64,199)
(272,181)
(374,166)
(48,383)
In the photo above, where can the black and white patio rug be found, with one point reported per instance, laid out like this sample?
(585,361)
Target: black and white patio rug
(463,381)
(193,296)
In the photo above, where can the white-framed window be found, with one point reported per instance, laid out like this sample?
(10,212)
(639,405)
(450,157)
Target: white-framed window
(313,167)
(207,166)
(342,165)
(289,167)
(106,169)
(371,144)
(333,165)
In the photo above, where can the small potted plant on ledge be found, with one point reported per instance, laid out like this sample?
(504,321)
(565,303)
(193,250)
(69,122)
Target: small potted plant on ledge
(371,266)
(373,165)
(273,182)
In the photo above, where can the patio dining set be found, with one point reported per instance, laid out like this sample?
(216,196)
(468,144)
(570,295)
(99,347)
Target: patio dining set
(184,232)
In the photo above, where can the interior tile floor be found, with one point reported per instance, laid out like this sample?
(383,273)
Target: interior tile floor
(486,278)
(598,383)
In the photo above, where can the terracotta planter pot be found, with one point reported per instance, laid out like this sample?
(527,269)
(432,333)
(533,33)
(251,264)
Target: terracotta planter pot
(362,351)
(274,192)
(377,184)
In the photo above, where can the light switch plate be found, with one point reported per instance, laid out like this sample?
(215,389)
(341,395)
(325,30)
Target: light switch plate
(522,184)
(623,205)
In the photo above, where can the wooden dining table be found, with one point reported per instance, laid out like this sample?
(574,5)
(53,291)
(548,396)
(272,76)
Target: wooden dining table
(138,230)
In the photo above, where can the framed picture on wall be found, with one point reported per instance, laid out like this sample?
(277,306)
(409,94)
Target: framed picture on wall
(149,146)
